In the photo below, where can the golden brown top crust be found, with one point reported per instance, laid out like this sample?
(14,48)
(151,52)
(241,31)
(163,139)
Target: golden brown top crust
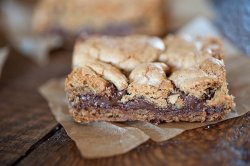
(110,73)
(149,73)
(197,80)
(86,79)
(123,52)
(193,81)
(74,15)
(148,69)
(185,51)
(150,81)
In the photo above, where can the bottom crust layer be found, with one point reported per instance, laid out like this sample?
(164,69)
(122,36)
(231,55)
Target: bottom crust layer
(115,115)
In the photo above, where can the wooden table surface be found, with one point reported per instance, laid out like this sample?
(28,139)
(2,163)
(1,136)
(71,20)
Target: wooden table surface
(29,134)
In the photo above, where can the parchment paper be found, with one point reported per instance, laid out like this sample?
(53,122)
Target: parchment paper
(99,139)
(102,139)
(3,57)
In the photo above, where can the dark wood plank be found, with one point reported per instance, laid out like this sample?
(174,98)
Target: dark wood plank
(226,143)
(25,117)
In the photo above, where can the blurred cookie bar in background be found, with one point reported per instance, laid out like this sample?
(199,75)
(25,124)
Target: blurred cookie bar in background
(109,17)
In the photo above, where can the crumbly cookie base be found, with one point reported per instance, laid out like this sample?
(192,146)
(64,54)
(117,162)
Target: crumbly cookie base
(118,115)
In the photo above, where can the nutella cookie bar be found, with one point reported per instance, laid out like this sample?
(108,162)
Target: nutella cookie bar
(148,79)
(110,17)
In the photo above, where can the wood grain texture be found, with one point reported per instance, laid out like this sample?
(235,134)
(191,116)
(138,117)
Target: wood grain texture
(25,117)
(225,143)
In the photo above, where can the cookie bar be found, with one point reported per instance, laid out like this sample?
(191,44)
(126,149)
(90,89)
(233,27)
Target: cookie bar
(149,79)
(109,17)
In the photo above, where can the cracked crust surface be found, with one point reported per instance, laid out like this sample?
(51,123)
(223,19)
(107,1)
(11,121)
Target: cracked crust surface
(150,81)
(185,51)
(98,16)
(181,80)
(196,80)
(118,50)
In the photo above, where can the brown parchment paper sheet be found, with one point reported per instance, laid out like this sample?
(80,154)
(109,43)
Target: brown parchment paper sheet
(3,56)
(99,139)
(103,139)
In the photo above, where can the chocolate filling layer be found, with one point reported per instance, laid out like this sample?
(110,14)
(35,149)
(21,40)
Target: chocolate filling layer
(190,103)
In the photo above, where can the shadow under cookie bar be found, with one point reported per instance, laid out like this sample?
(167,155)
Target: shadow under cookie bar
(93,107)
